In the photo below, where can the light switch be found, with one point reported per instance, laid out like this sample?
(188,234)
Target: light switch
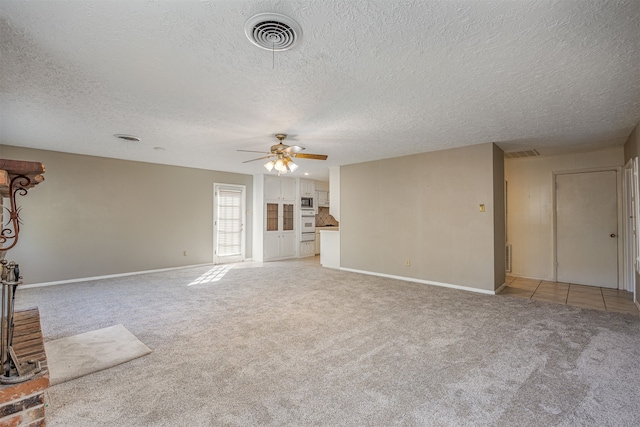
(481,207)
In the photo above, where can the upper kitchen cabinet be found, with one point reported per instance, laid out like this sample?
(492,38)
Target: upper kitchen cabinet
(307,188)
(277,188)
(323,198)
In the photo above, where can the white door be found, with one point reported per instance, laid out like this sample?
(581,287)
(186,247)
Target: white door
(228,226)
(587,228)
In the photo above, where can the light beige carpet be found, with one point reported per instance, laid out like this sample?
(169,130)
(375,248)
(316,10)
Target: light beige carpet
(78,355)
(292,344)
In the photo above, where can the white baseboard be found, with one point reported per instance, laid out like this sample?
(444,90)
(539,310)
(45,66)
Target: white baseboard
(109,276)
(425,282)
(497,291)
(530,277)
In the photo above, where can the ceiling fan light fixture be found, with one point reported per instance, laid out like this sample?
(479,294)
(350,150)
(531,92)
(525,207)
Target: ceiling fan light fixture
(280,166)
(282,155)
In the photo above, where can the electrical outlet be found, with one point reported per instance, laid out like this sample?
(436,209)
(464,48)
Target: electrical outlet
(407,262)
(185,253)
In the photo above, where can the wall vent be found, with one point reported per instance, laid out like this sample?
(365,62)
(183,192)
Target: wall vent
(518,154)
(507,254)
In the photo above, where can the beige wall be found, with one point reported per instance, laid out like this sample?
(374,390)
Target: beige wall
(322,185)
(424,208)
(631,150)
(530,206)
(95,216)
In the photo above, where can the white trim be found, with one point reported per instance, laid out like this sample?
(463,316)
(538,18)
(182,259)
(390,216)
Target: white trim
(530,277)
(636,197)
(424,282)
(629,225)
(497,291)
(619,195)
(108,276)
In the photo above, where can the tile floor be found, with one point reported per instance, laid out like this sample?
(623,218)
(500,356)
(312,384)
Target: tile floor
(575,295)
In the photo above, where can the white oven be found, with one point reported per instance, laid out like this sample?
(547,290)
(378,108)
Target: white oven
(308,222)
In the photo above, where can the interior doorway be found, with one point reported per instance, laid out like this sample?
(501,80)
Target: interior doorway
(587,228)
(229,217)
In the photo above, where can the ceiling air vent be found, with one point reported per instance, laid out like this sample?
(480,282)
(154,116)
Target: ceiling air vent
(272,31)
(518,154)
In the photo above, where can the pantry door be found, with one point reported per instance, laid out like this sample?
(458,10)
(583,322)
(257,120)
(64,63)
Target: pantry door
(587,228)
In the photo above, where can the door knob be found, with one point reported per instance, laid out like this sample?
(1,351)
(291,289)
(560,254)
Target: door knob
(612,235)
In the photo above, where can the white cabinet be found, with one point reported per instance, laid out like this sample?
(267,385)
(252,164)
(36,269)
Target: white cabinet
(276,188)
(279,229)
(307,188)
(288,245)
(323,198)
(279,246)
(307,248)
(272,245)
(279,222)
(276,217)
(317,242)
(271,188)
(288,189)
(330,251)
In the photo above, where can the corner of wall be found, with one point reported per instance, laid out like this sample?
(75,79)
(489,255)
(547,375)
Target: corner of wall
(631,148)
(499,217)
(258,217)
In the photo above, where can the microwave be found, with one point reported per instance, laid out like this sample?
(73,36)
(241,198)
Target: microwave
(306,203)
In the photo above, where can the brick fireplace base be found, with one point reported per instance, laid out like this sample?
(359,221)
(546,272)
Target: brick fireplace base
(23,404)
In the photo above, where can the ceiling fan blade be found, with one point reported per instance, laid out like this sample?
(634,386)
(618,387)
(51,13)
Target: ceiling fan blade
(253,151)
(310,156)
(260,158)
(293,149)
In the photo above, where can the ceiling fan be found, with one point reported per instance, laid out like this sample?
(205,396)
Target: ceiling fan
(281,156)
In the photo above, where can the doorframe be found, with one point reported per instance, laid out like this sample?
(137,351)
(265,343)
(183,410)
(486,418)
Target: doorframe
(554,207)
(630,222)
(243,244)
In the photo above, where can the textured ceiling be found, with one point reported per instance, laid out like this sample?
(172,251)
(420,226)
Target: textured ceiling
(369,80)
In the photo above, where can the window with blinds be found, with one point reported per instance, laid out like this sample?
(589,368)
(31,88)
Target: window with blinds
(229,222)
